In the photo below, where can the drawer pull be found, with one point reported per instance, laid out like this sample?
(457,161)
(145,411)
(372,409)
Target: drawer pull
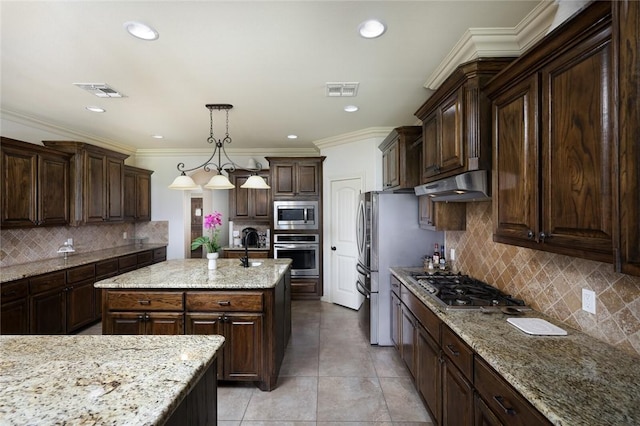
(10,293)
(224,303)
(453,350)
(144,302)
(507,410)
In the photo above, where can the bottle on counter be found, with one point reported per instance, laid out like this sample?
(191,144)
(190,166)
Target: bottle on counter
(436,255)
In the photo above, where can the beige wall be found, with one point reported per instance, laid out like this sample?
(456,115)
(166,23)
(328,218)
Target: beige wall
(551,283)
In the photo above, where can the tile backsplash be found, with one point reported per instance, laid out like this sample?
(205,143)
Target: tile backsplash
(24,245)
(551,283)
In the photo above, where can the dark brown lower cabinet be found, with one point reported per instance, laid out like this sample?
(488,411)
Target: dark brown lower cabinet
(200,406)
(80,305)
(429,382)
(48,304)
(457,396)
(242,354)
(14,311)
(483,415)
(409,341)
(458,388)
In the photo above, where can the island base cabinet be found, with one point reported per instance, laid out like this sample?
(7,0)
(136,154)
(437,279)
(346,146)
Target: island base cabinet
(200,407)
(144,323)
(242,354)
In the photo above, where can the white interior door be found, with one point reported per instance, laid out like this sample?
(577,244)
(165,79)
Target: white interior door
(345,194)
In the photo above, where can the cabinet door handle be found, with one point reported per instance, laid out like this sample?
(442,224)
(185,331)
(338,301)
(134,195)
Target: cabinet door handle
(9,293)
(530,234)
(141,317)
(543,236)
(224,303)
(507,410)
(144,302)
(453,350)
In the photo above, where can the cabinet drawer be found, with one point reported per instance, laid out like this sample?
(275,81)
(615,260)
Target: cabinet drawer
(106,268)
(145,258)
(47,282)
(128,262)
(144,301)
(504,401)
(458,352)
(14,290)
(160,254)
(80,273)
(227,302)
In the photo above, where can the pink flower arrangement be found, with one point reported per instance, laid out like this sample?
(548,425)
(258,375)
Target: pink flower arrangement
(212,223)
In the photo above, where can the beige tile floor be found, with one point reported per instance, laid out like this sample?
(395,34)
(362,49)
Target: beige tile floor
(330,376)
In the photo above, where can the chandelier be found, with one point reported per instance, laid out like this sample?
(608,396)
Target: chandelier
(219,181)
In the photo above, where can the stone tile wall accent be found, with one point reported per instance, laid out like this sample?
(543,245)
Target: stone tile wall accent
(551,283)
(32,244)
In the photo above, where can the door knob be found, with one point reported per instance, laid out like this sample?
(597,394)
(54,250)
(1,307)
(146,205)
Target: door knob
(333,248)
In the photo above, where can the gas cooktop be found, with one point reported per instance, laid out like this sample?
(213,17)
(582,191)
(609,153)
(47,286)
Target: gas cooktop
(462,292)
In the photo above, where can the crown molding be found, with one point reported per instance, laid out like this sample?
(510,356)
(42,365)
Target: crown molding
(63,132)
(247,152)
(346,138)
(496,42)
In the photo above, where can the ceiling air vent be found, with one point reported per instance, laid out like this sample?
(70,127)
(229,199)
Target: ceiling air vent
(342,89)
(101,90)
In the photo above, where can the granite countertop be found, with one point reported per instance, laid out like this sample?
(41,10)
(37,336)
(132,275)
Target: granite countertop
(99,379)
(193,274)
(25,270)
(572,380)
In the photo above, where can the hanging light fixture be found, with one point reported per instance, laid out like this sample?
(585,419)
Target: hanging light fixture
(219,181)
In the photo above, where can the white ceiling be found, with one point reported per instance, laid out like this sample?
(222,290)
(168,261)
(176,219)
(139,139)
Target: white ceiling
(269,59)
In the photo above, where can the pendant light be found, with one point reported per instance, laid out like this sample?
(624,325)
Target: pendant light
(218,181)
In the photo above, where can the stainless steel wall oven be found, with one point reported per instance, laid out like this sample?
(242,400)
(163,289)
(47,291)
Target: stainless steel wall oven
(302,249)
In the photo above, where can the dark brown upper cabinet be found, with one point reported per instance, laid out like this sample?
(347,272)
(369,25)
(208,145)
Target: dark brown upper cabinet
(295,177)
(456,122)
(401,152)
(97,176)
(137,194)
(35,185)
(249,204)
(553,115)
(626,36)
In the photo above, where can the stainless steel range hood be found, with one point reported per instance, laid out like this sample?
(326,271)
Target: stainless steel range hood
(469,186)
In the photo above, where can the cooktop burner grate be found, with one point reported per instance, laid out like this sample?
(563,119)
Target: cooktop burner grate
(462,291)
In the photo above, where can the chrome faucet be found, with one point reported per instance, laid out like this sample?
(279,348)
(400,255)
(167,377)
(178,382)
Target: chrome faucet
(245,259)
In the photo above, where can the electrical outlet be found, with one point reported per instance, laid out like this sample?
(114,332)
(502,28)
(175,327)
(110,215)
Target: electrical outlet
(124,235)
(452,254)
(589,301)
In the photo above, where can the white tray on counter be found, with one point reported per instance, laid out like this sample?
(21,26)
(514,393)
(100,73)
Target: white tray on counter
(537,326)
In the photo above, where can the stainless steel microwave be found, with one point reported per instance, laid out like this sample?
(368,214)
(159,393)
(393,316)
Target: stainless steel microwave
(295,215)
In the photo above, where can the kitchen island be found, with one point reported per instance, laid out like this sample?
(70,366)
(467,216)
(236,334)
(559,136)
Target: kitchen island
(100,380)
(251,307)
(571,380)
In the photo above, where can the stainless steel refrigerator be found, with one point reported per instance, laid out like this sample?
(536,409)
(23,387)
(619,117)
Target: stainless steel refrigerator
(387,235)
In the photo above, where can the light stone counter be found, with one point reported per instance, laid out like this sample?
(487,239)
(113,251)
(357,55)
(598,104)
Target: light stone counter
(24,270)
(572,380)
(99,380)
(193,273)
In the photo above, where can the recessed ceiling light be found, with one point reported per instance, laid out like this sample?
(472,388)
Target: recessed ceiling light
(292,136)
(95,109)
(351,108)
(371,28)
(157,136)
(141,30)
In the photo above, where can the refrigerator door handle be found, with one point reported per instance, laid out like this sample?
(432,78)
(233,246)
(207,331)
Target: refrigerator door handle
(363,270)
(360,289)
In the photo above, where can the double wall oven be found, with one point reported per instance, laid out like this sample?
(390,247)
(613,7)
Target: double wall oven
(302,249)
